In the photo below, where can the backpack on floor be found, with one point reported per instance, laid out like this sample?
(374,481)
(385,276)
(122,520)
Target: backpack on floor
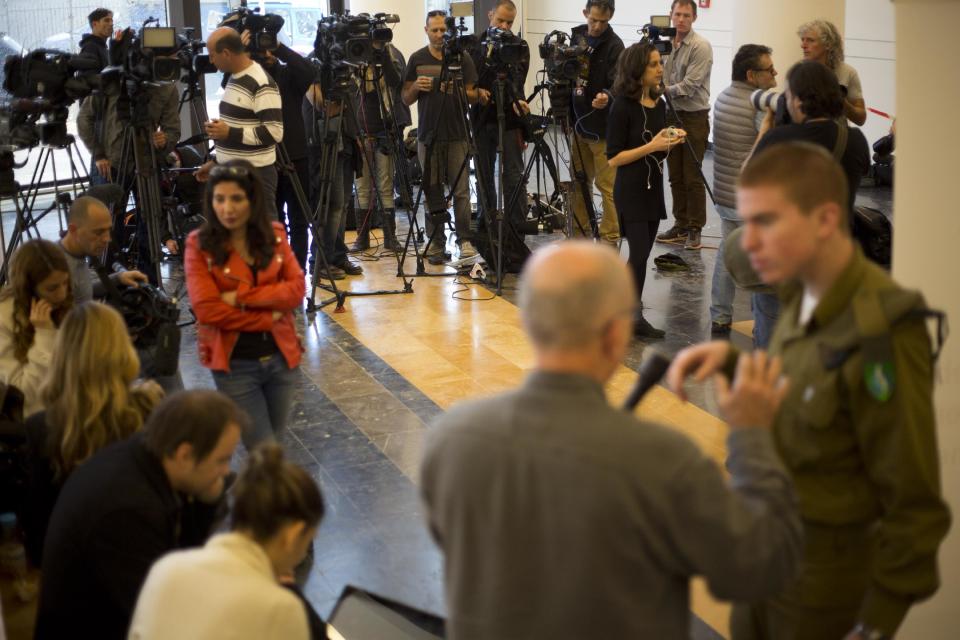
(872,229)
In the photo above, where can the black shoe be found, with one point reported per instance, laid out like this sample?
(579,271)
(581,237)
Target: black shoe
(719,329)
(693,239)
(336,273)
(673,235)
(643,329)
(350,268)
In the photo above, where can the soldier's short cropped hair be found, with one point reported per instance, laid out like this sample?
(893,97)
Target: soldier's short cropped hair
(807,173)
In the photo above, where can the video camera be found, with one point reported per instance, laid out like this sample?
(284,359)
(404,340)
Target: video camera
(146,56)
(349,40)
(455,39)
(563,63)
(44,82)
(192,61)
(502,49)
(263,28)
(659,33)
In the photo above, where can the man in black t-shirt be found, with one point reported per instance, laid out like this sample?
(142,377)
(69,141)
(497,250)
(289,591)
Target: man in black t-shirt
(815,103)
(441,131)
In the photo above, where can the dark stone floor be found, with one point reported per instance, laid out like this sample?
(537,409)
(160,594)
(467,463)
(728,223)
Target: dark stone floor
(349,400)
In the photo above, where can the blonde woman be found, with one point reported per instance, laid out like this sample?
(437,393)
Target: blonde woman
(91,401)
(821,42)
(32,306)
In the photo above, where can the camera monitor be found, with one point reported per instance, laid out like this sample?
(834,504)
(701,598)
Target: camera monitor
(461,9)
(160,38)
(661,22)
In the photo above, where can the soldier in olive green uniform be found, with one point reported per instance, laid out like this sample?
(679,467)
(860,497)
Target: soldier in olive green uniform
(856,429)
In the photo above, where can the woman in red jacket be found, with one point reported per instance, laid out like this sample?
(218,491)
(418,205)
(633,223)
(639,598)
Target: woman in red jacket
(244,282)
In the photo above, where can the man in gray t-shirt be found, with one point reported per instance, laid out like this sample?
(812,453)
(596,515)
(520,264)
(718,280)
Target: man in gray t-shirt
(88,234)
(442,140)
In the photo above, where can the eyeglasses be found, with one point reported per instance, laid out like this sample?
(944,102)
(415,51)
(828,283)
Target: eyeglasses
(221,171)
(769,69)
(436,12)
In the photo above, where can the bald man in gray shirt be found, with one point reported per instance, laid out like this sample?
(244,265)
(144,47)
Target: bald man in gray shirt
(560,516)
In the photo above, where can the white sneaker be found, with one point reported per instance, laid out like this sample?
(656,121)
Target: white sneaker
(467,250)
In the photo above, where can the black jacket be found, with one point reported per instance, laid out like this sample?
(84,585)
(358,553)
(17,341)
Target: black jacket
(293,78)
(601,72)
(116,514)
(517,79)
(95,48)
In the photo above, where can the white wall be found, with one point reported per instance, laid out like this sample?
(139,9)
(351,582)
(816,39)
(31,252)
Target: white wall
(869,46)
(543,16)
(925,201)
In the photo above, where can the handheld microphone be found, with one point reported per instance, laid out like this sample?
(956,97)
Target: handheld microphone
(651,371)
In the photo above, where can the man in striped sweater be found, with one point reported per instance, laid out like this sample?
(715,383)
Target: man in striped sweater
(251,120)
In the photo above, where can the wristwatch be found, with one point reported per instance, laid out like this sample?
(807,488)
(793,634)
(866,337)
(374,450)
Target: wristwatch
(869,633)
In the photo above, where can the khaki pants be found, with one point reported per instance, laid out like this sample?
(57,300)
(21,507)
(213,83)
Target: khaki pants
(591,158)
(689,194)
(824,601)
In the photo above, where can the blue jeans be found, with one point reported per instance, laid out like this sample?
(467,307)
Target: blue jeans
(723,289)
(766,308)
(262,388)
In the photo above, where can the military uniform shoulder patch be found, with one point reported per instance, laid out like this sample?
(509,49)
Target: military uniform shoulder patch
(880,379)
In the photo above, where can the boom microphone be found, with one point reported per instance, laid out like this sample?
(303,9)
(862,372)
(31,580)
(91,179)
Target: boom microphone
(650,373)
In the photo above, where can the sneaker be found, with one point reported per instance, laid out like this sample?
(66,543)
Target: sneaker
(719,329)
(643,329)
(436,253)
(350,268)
(467,250)
(693,239)
(673,235)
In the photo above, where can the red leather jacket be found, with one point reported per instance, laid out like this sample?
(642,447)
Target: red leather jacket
(279,287)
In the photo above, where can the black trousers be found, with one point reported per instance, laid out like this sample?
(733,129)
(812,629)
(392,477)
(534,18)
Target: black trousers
(289,210)
(640,236)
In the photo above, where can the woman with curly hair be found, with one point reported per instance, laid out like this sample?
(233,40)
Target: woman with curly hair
(32,306)
(244,283)
(638,141)
(91,400)
(821,42)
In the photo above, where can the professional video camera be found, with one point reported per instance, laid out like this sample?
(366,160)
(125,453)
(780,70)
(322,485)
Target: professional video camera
(563,63)
(455,40)
(192,61)
(144,56)
(151,319)
(346,39)
(503,48)
(763,99)
(659,33)
(44,82)
(263,28)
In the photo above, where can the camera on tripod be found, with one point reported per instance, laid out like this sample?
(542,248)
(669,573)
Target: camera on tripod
(455,40)
(145,56)
(263,28)
(563,63)
(192,61)
(43,83)
(659,33)
(503,49)
(349,40)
